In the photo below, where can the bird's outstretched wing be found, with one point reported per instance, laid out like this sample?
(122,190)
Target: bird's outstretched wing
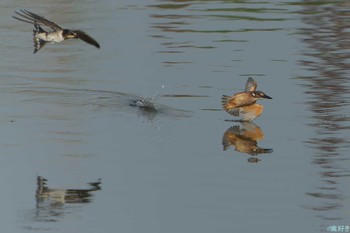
(229,105)
(32,18)
(250,85)
(88,39)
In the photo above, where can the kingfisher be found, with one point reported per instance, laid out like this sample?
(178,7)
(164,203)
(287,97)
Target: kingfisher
(245,139)
(243,104)
(58,34)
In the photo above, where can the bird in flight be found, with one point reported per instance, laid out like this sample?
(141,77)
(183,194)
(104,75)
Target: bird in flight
(243,104)
(58,34)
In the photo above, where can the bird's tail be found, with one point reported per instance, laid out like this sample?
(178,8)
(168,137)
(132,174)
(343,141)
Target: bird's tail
(38,43)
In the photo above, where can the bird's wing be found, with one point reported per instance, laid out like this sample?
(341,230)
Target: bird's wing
(250,85)
(229,105)
(234,111)
(88,39)
(32,18)
(230,137)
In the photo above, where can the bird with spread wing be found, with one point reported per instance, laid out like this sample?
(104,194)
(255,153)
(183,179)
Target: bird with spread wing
(58,34)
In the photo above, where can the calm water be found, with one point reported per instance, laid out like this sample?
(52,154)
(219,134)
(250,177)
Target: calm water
(132,138)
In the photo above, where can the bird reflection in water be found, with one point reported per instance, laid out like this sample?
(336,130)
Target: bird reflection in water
(50,202)
(244,139)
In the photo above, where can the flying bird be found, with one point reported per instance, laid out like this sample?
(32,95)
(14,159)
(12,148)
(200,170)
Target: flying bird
(58,34)
(243,104)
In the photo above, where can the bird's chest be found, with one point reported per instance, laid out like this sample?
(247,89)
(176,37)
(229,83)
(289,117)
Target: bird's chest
(53,37)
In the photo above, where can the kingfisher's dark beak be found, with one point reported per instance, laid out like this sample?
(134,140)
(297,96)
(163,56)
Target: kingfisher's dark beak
(266,96)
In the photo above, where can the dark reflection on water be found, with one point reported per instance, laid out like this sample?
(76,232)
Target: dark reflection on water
(51,203)
(190,20)
(327,90)
(245,139)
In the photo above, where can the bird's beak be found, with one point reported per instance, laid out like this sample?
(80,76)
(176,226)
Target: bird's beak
(266,96)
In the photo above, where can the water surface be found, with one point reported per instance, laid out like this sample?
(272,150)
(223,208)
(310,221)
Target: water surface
(136,128)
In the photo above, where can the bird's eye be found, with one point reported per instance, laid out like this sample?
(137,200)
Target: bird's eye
(253,94)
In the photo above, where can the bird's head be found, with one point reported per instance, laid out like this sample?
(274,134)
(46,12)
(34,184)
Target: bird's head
(69,34)
(259,95)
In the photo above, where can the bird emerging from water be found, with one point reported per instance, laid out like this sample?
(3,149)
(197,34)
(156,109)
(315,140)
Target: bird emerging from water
(243,104)
(41,37)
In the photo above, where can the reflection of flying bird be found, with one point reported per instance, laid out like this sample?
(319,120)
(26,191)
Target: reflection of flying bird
(243,104)
(62,196)
(41,37)
(53,203)
(244,139)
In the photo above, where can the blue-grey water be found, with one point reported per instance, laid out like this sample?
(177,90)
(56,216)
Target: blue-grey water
(132,137)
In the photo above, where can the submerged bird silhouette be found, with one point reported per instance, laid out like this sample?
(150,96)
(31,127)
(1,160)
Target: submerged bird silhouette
(243,104)
(41,37)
